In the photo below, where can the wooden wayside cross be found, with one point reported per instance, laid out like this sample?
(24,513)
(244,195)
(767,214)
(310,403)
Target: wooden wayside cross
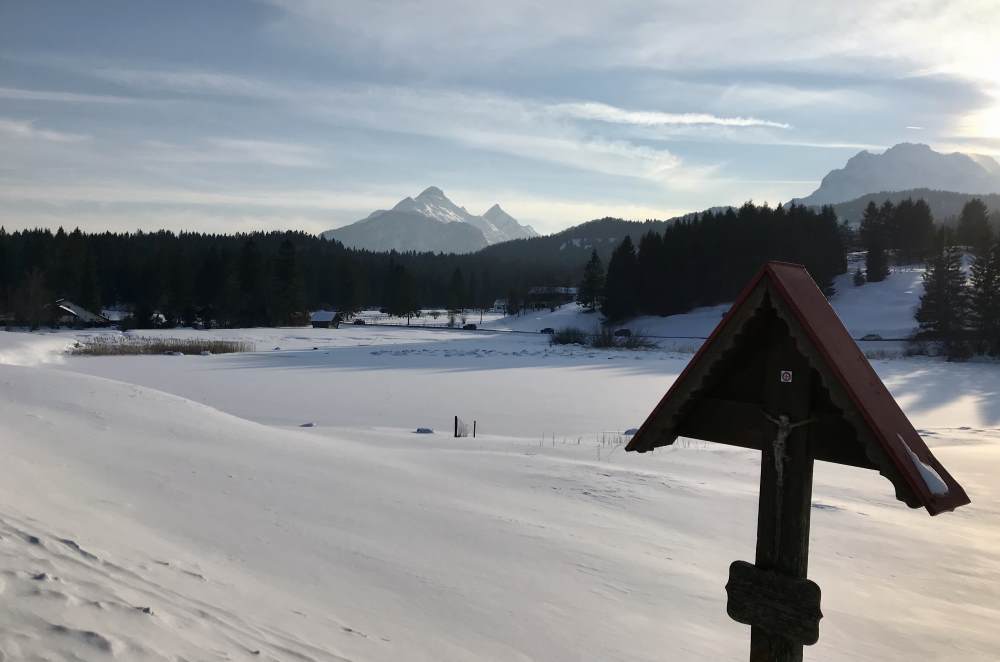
(781,374)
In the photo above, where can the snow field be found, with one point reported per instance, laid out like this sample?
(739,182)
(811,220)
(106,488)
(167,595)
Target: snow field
(184,486)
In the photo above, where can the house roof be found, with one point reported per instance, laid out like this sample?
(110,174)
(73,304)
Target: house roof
(79,312)
(322,316)
(861,425)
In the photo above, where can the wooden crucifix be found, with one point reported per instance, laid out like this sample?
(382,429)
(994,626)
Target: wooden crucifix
(781,374)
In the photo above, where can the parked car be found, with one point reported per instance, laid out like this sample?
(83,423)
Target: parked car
(871,336)
(359,322)
(548,330)
(623,333)
(469,327)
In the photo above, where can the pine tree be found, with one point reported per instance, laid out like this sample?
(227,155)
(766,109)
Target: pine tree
(34,299)
(974,226)
(943,311)
(621,284)
(984,300)
(456,291)
(591,288)
(873,236)
(859,278)
(89,293)
(288,286)
(349,301)
(651,264)
(253,303)
(917,228)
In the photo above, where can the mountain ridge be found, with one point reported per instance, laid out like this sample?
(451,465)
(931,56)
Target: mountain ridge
(906,166)
(405,227)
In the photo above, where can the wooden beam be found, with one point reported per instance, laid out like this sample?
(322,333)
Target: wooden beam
(786,472)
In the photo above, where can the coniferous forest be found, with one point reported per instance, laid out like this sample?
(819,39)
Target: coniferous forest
(273,278)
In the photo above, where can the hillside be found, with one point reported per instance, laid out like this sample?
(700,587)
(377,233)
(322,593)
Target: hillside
(573,245)
(945,205)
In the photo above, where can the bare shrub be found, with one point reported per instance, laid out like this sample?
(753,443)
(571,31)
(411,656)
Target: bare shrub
(604,337)
(136,345)
(637,341)
(568,336)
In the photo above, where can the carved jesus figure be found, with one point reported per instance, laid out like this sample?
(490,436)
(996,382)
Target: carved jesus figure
(785,427)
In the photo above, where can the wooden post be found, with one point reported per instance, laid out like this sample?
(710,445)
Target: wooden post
(785,491)
(456,427)
(473,429)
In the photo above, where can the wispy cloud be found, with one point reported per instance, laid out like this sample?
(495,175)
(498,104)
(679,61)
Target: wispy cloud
(602,112)
(521,127)
(230,150)
(189,81)
(20,94)
(26,130)
(136,193)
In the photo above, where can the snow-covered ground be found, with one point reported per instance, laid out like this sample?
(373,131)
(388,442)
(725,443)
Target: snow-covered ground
(171,507)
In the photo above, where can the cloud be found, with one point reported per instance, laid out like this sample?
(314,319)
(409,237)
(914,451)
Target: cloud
(605,113)
(439,36)
(19,94)
(189,81)
(104,192)
(25,130)
(230,150)
(510,125)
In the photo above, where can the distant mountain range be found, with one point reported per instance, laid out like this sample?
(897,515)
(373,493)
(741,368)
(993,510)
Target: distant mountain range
(904,167)
(431,223)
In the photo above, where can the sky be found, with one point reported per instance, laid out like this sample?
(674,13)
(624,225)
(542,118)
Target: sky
(229,115)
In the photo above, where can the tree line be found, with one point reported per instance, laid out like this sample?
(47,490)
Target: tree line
(708,258)
(241,280)
(960,307)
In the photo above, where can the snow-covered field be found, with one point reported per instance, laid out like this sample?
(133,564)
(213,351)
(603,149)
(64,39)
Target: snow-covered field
(172,508)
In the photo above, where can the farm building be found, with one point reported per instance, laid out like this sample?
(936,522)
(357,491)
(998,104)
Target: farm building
(67,313)
(324,319)
(550,296)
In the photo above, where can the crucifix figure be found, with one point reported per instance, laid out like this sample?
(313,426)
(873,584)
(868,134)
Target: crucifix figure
(785,426)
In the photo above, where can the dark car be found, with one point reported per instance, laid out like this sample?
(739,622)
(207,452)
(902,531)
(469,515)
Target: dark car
(548,329)
(359,322)
(623,333)
(469,327)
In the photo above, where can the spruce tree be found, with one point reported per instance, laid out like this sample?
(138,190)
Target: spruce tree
(859,278)
(591,288)
(974,226)
(650,272)
(456,291)
(873,236)
(288,295)
(621,283)
(984,300)
(89,290)
(943,311)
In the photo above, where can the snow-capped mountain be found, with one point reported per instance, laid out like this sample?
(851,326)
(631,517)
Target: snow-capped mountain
(907,166)
(452,229)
